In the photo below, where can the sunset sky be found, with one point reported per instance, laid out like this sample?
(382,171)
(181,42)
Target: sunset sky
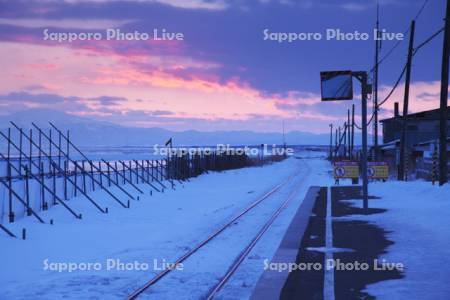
(222,76)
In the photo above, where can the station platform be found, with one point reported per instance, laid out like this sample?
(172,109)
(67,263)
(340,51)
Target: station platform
(316,270)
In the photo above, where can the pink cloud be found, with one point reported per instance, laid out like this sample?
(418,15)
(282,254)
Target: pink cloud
(42,66)
(423,96)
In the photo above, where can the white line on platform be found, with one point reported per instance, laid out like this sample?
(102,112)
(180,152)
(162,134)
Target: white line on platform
(328,284)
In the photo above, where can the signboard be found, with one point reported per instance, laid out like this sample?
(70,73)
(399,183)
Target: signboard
(377,170)
(346,169)
(336,85)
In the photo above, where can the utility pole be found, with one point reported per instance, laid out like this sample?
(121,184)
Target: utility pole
(331,142)
(353,130)
(403,138)
(339,141)
(349,148)
(365,90)
(375,98)
(335,143)
(444,96)
(364,141)
(345,140)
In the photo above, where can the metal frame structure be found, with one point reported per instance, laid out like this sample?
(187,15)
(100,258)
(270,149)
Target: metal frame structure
(44,169)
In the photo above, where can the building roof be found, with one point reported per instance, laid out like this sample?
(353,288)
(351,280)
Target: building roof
(396,143)
(430,142)
(423,115)
(389,146)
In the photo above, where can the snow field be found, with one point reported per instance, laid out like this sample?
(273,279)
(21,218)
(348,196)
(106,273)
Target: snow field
(159,227)
(417,220)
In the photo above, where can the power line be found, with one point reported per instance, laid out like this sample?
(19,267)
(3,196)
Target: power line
(421,10)
(389,52)
(404,67)
(387,97)
(394,87)
(368,123)
(419,13)
(428,40)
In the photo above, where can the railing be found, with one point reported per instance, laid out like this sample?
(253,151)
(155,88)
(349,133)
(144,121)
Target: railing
(42,170)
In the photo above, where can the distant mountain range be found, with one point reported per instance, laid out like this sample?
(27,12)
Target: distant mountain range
(86,132)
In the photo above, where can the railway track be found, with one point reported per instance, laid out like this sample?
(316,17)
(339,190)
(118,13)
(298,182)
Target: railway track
(245,251)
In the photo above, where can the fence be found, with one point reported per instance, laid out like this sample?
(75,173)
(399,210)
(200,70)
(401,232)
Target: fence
(191,165)
(42,170)
(424,169)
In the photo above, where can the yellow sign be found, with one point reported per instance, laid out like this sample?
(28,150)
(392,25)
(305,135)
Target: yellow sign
(377,170)
(346,169)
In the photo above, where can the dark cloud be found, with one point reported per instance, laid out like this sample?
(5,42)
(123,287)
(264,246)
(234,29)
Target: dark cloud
(38,98)
(161,113)
(104,104)
(332,109)
(428,96)
(109,100)
(35,87)
(233,37)
(19,101)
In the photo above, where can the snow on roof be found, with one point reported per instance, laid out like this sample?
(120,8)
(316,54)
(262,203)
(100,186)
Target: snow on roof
(390,145)
(432,114)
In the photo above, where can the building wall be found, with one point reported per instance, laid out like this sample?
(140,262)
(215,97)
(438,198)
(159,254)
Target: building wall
(418,130)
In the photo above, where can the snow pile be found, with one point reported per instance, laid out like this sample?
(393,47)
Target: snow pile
(418,219)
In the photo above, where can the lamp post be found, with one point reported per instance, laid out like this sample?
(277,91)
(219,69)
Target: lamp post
(338,85)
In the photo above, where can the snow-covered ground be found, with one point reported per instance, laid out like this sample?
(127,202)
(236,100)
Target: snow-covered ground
(161,227)
(205,268)
(418,219)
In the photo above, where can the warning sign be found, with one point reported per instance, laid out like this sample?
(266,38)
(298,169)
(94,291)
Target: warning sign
(377,170)
(346,169)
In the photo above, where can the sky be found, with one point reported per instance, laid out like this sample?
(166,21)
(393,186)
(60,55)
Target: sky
(223,74)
